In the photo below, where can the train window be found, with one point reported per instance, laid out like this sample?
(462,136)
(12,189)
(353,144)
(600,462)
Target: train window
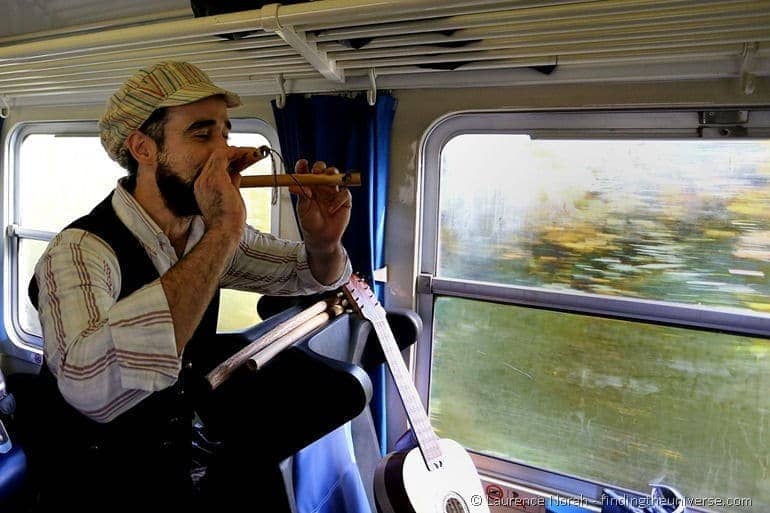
(595,288)
(238,310)
(60,177)
(60,173)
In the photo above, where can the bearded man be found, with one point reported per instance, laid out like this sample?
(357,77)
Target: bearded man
(126,293)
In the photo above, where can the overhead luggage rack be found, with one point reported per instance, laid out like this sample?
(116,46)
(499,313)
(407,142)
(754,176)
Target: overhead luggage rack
(336,45)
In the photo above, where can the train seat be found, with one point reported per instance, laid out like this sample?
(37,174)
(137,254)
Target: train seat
(13,459)
(335,360)
(346,339)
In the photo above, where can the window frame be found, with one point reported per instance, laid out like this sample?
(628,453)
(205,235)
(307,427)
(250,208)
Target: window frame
(582,124)
(28,343)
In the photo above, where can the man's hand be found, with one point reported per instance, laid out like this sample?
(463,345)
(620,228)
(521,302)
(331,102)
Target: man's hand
(191,283)
(217,191)
(324,211)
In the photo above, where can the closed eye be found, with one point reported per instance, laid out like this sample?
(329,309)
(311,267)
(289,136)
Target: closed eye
(203,129)
(205,135)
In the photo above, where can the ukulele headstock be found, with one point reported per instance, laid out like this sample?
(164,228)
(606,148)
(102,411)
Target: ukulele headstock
(362,299)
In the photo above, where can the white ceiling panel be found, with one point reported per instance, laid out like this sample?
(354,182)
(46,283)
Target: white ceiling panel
(30,16)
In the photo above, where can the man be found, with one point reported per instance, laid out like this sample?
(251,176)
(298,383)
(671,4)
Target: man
(128,295)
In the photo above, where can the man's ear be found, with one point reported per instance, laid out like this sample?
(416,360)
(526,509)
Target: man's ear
(142,147)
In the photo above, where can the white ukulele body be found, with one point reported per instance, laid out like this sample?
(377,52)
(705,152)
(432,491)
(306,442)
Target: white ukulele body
(403,483)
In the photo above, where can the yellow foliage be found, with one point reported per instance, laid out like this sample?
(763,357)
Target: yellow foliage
(719,234)
(581,239)
(754,204)
(759,307)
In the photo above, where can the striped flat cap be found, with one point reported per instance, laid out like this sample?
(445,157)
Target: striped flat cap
(166,84)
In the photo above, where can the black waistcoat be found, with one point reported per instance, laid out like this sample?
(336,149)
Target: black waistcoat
(145,451)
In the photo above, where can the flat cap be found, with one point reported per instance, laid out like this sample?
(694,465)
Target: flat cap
(165,84)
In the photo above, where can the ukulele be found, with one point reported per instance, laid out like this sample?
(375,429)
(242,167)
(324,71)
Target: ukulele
(437,476)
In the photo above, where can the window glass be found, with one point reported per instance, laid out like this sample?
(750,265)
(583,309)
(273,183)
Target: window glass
(685,221)
(237,309)
(614,401)
(61,178)
(29,253)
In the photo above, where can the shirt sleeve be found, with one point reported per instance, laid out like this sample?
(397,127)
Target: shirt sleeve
(266,264)
(107,354)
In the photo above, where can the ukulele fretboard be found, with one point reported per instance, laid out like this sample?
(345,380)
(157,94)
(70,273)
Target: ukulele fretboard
(418,418)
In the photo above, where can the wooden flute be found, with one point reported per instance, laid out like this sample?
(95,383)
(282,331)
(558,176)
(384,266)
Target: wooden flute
(303,179)
(285,180)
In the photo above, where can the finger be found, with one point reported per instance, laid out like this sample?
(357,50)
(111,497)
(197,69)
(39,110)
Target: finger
(328,190)
(301,166)
(333,171)
(219,155)
(319,167)
(218,161)
(212,171)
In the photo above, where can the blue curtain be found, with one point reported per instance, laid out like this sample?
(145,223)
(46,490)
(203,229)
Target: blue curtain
(352,136)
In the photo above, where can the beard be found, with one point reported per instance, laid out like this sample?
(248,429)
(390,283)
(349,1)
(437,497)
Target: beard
(177,194)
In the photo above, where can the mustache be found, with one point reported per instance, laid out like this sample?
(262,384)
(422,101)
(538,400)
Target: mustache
(198,171)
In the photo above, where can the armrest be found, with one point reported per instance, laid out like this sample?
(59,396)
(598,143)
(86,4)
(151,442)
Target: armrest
(299,396)
(270,306)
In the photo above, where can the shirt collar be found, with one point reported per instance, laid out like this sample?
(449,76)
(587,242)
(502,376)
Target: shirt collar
(136,219)
(144,228)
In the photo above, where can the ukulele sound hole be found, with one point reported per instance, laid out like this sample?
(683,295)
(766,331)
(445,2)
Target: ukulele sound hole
(454,504)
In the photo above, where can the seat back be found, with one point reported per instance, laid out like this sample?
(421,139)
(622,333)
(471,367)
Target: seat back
(15,492)
(352,340)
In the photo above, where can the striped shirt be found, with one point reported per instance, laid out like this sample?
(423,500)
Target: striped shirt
(107,354)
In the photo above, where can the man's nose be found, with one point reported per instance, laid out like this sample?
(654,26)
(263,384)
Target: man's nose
(218,144)
(221,142)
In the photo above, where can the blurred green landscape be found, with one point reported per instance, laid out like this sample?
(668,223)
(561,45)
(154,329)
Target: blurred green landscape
(619,402)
